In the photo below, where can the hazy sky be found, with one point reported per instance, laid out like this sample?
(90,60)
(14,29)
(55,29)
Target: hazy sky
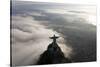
(67,1)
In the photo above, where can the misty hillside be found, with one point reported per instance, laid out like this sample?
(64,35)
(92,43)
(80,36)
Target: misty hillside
(53,55)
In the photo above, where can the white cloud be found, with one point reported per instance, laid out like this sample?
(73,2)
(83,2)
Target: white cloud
(30,39)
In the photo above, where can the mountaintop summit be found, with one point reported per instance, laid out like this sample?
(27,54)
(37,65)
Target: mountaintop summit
(53,54)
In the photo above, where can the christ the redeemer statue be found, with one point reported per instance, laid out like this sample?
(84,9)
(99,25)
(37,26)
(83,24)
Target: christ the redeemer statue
(54,38)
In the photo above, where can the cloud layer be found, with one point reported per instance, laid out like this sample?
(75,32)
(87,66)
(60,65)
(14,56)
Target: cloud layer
(30,39)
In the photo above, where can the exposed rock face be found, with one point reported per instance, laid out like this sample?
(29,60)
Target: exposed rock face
(53,55)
